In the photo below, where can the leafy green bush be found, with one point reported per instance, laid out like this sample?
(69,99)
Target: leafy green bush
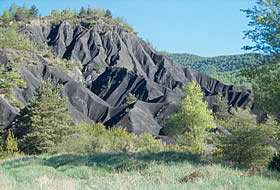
(94,138)
(10,79)
(10,38)
(247,144)
(64,64)
(123,24)
(130,99)
(8,147)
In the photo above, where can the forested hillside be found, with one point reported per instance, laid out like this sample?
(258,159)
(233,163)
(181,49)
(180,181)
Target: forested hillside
(224,68)
(211,65)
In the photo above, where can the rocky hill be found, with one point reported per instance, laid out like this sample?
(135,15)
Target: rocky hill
(114,64)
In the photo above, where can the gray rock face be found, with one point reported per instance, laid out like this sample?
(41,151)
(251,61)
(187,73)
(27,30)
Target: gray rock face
(7,113)
(115,63)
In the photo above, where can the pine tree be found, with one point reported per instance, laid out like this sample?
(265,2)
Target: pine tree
(221,108)
(108,13)
(192,122)
(43,123)
(83,12)
(10,79)
(6,17)
(90,11)
(33,11)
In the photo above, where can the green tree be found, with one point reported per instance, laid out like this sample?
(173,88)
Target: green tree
(265,20)
(55,14)
(13,10)
(248,143)
(10,38)
(83,12)
(108,13)
(6,17)
(44,121)
(90,11)
(221,108)
(22,13)
(192,122)
(98,12)
(33,11)
(10,79)
(68,13)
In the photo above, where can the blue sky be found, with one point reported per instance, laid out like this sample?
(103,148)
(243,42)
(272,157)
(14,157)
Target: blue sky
(201,27)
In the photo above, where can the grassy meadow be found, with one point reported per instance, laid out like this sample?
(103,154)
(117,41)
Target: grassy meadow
(125,171)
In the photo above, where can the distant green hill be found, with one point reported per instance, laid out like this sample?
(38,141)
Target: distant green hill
(224,68)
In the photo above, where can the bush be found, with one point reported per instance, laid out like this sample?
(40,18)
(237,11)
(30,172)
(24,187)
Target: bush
(10,79)
(10,38)
(96,138)
(10,146)
(130,99)
(247,144)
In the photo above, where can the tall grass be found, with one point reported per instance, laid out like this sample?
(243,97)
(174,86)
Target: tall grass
(165,170)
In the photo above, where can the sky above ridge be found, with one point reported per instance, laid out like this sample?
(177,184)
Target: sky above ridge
(201,27)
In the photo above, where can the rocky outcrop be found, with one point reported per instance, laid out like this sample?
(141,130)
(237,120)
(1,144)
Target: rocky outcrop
(114,64)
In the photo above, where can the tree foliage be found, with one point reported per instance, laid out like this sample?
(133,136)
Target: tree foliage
(33,11)
(8,144)
(108,14)
(10,38)
(248,143)
(6,17)
(44,121)
(221,108)
(10,79)
(130,99)
(265,20)
(83,12)
(192,122)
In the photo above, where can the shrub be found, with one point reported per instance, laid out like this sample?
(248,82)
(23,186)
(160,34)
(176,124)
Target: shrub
(147,143)
(10,38)
(130,99)
(247,144)
(10,79)
(10,146)
(96,138)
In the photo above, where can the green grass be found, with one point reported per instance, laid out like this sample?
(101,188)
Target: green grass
(167,170)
